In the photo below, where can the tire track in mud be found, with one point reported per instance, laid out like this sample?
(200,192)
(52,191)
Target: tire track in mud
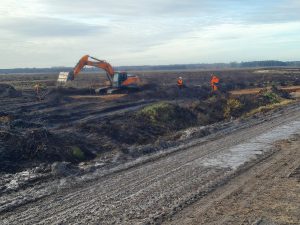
(109,111)
(279,166)
(85,115)
(67,112)
(174,166)
(145,191)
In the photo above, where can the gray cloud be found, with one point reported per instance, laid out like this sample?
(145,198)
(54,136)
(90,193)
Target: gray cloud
(131,31)
(133,8)
(269,12)
(226,10)
(48,27)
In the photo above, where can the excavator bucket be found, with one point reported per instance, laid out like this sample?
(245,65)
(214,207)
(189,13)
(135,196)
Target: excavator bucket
(62,78)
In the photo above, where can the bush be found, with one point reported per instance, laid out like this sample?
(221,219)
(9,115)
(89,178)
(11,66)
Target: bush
(211,110)
(266,96)
(167,114)
(232,108)
(77,153)
(281,93)
(159,112)
(272,97)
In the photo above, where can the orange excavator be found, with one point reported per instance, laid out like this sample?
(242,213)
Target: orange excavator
(119,81)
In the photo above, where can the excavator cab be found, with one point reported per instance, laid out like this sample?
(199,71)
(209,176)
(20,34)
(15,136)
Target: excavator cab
(118,79)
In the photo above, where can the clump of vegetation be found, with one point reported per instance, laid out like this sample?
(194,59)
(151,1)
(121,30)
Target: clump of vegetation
(232,108)
(266,100)
(38,145)
(266,108)
(211,110)
(268,96)
(166,114)
(8,91)
(77,153)
(281,93)
(158,112)
(5,118)
(220,107)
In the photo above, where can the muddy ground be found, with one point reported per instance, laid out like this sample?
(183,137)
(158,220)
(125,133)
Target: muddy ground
(266,194)
(62,124)
(154,190)
(72,132)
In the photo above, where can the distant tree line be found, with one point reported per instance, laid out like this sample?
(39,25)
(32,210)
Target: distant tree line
(212,66)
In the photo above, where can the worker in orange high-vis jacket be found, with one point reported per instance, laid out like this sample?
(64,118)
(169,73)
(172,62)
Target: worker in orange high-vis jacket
(214,81)
(180,82)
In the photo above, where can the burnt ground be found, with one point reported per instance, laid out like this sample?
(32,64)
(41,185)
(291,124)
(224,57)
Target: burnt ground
(73,124)
(87,132)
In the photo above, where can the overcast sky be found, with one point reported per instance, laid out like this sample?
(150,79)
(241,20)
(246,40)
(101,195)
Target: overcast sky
(44,33)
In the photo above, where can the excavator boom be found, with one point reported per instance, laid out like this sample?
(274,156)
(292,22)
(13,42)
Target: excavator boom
(84,61)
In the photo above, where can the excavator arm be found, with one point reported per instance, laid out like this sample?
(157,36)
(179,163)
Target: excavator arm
(85,61)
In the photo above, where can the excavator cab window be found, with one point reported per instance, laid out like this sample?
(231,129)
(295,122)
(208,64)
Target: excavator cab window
(119,78)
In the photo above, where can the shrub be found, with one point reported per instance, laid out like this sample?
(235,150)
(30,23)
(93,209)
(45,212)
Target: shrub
(272,97)
(211,110)
(171,115)
(232,108)
(266,96)
(77,153)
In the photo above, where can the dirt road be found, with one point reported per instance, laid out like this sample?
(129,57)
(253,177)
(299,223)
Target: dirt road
(266,194)
(156,191)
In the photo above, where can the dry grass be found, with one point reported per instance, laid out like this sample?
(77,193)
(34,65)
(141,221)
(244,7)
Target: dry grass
(253,91)
(104,97)
(5,119)
(269,107)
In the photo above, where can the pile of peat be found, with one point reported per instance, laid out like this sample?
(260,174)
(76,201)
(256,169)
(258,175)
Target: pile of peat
(8,91)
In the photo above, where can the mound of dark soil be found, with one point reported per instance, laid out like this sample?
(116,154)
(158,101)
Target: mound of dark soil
(170,92)
(61,94)
(221,106)
(263,98)
(141,127)
(19,123)
(38,145)
(8,91)
(210,110)
(72,91)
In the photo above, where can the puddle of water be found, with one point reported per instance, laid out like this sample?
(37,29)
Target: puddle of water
(242,153)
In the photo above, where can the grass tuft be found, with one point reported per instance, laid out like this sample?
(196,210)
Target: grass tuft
(266,108)
(77,153)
